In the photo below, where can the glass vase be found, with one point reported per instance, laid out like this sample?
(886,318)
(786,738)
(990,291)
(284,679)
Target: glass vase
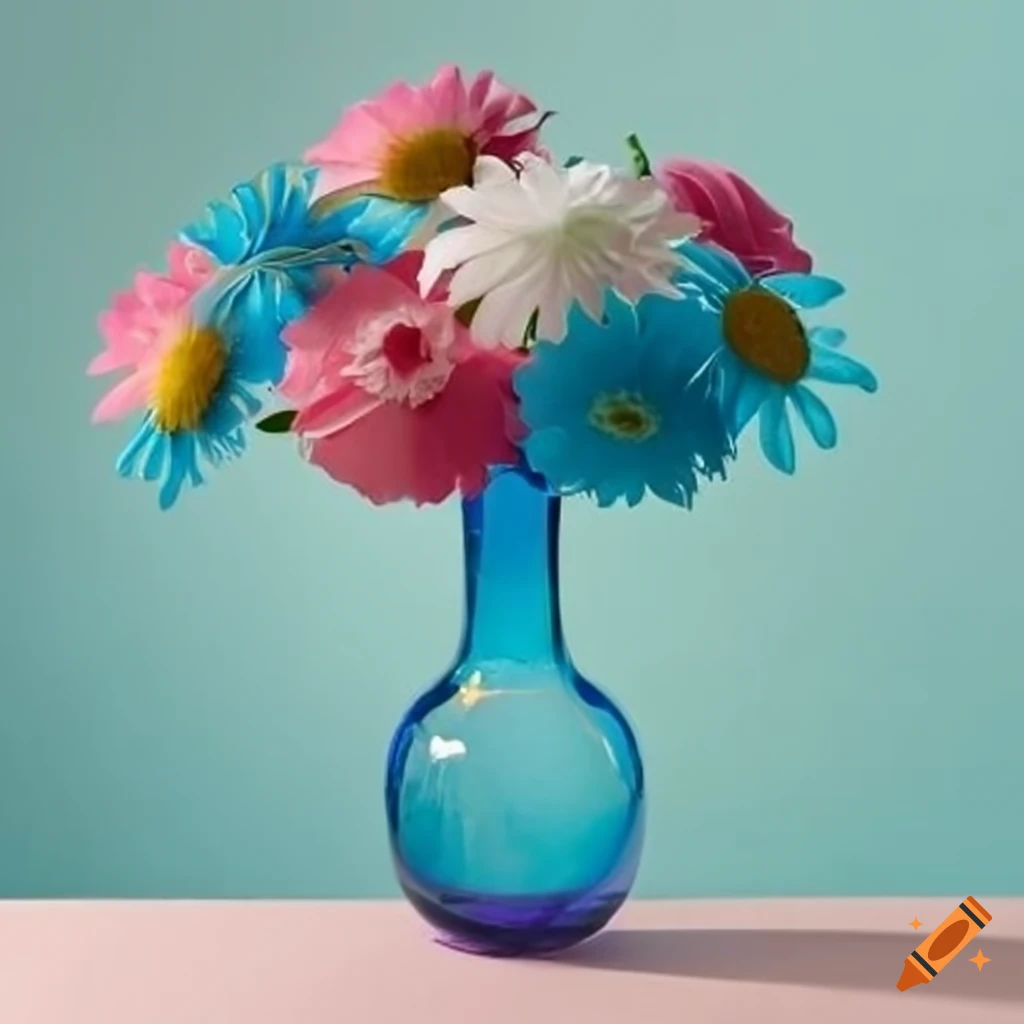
(515,789)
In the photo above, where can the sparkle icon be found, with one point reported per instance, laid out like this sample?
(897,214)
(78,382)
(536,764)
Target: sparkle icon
(915,924)
(980,959)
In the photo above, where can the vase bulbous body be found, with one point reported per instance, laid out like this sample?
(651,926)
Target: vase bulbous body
(515,792)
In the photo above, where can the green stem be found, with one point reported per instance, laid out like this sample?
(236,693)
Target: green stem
(641,162)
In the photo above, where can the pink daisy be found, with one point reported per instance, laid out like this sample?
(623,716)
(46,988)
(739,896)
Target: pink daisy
(393,398)
(142,323)
(411,143)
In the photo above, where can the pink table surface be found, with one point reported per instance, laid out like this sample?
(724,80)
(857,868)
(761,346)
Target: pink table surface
(743,961)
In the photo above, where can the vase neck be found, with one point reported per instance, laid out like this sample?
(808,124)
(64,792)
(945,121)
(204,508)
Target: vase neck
(511,545)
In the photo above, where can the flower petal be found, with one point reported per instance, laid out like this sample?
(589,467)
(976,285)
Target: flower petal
(836,368)
(830,337)
(806,291)
(751,393)
(125,397)
(820,422)
(776,434)
(336,411)
(716,263)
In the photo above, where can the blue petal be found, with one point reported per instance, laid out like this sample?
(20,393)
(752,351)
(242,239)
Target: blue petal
(820,422)
(718,264)
(195,477)
(250,403)
(156,460)
(634,493)
(777,435)
(222,233)
(128,459)
(749,394)
(678,492)
(830,337)
(836,368)
(807,291)
(258,355)
(251,207)
(222,418)
(382,226)
(179,467)
(680,334)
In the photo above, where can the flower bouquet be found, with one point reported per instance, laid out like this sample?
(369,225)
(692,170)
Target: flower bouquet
(432,304)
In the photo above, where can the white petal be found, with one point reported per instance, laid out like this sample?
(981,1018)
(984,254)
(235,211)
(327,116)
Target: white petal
(478,276)
(545,186)
(491,170)
(455,246)
(586,290)
(503,313)
(504,207)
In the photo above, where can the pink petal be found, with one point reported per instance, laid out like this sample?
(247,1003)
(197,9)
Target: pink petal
(736,215)
(338,315)
(130,394)
(360,137)
(508,147)
(448,97)
(189,265)
(494,105)
(157,291)
(426,453)
(351,178)
(337,411)
(406,109)
(303,372)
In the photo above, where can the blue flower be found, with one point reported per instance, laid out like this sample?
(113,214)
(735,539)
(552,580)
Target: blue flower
(271,242)
(624,407)
(761,351)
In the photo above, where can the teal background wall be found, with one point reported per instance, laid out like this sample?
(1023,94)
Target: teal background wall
(826,672)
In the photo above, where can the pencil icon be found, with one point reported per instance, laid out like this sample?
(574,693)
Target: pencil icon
(943,944)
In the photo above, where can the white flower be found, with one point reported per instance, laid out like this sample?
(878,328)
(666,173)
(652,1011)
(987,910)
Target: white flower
(549,236)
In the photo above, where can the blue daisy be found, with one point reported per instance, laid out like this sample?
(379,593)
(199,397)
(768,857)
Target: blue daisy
(270,241)
(761,351)
(623,407)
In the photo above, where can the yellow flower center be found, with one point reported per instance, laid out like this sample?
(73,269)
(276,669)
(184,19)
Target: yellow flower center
(420,167)
(765,332)
(626,416)
(188,378)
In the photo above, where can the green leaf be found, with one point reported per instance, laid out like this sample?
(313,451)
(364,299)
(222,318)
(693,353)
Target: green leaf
(530,334)
(641,163)
(572,162)
(464,314)
(277,422)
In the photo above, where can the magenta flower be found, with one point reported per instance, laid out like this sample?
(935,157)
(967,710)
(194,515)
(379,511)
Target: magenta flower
(736,216)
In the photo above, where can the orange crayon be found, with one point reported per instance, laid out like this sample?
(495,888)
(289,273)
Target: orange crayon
(943,944)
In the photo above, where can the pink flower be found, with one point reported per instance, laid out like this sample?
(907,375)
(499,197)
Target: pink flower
(737,217)
(392,396)
(413,142)
(140,325)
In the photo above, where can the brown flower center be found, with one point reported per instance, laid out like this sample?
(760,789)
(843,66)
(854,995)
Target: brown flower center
(419,168)
(765,332)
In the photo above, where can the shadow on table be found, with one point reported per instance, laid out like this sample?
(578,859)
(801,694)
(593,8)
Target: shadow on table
(852,960)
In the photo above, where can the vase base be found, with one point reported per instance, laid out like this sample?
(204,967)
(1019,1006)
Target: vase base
(515,926)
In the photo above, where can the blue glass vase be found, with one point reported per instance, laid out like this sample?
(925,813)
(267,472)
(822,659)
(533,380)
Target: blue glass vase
(515,789)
